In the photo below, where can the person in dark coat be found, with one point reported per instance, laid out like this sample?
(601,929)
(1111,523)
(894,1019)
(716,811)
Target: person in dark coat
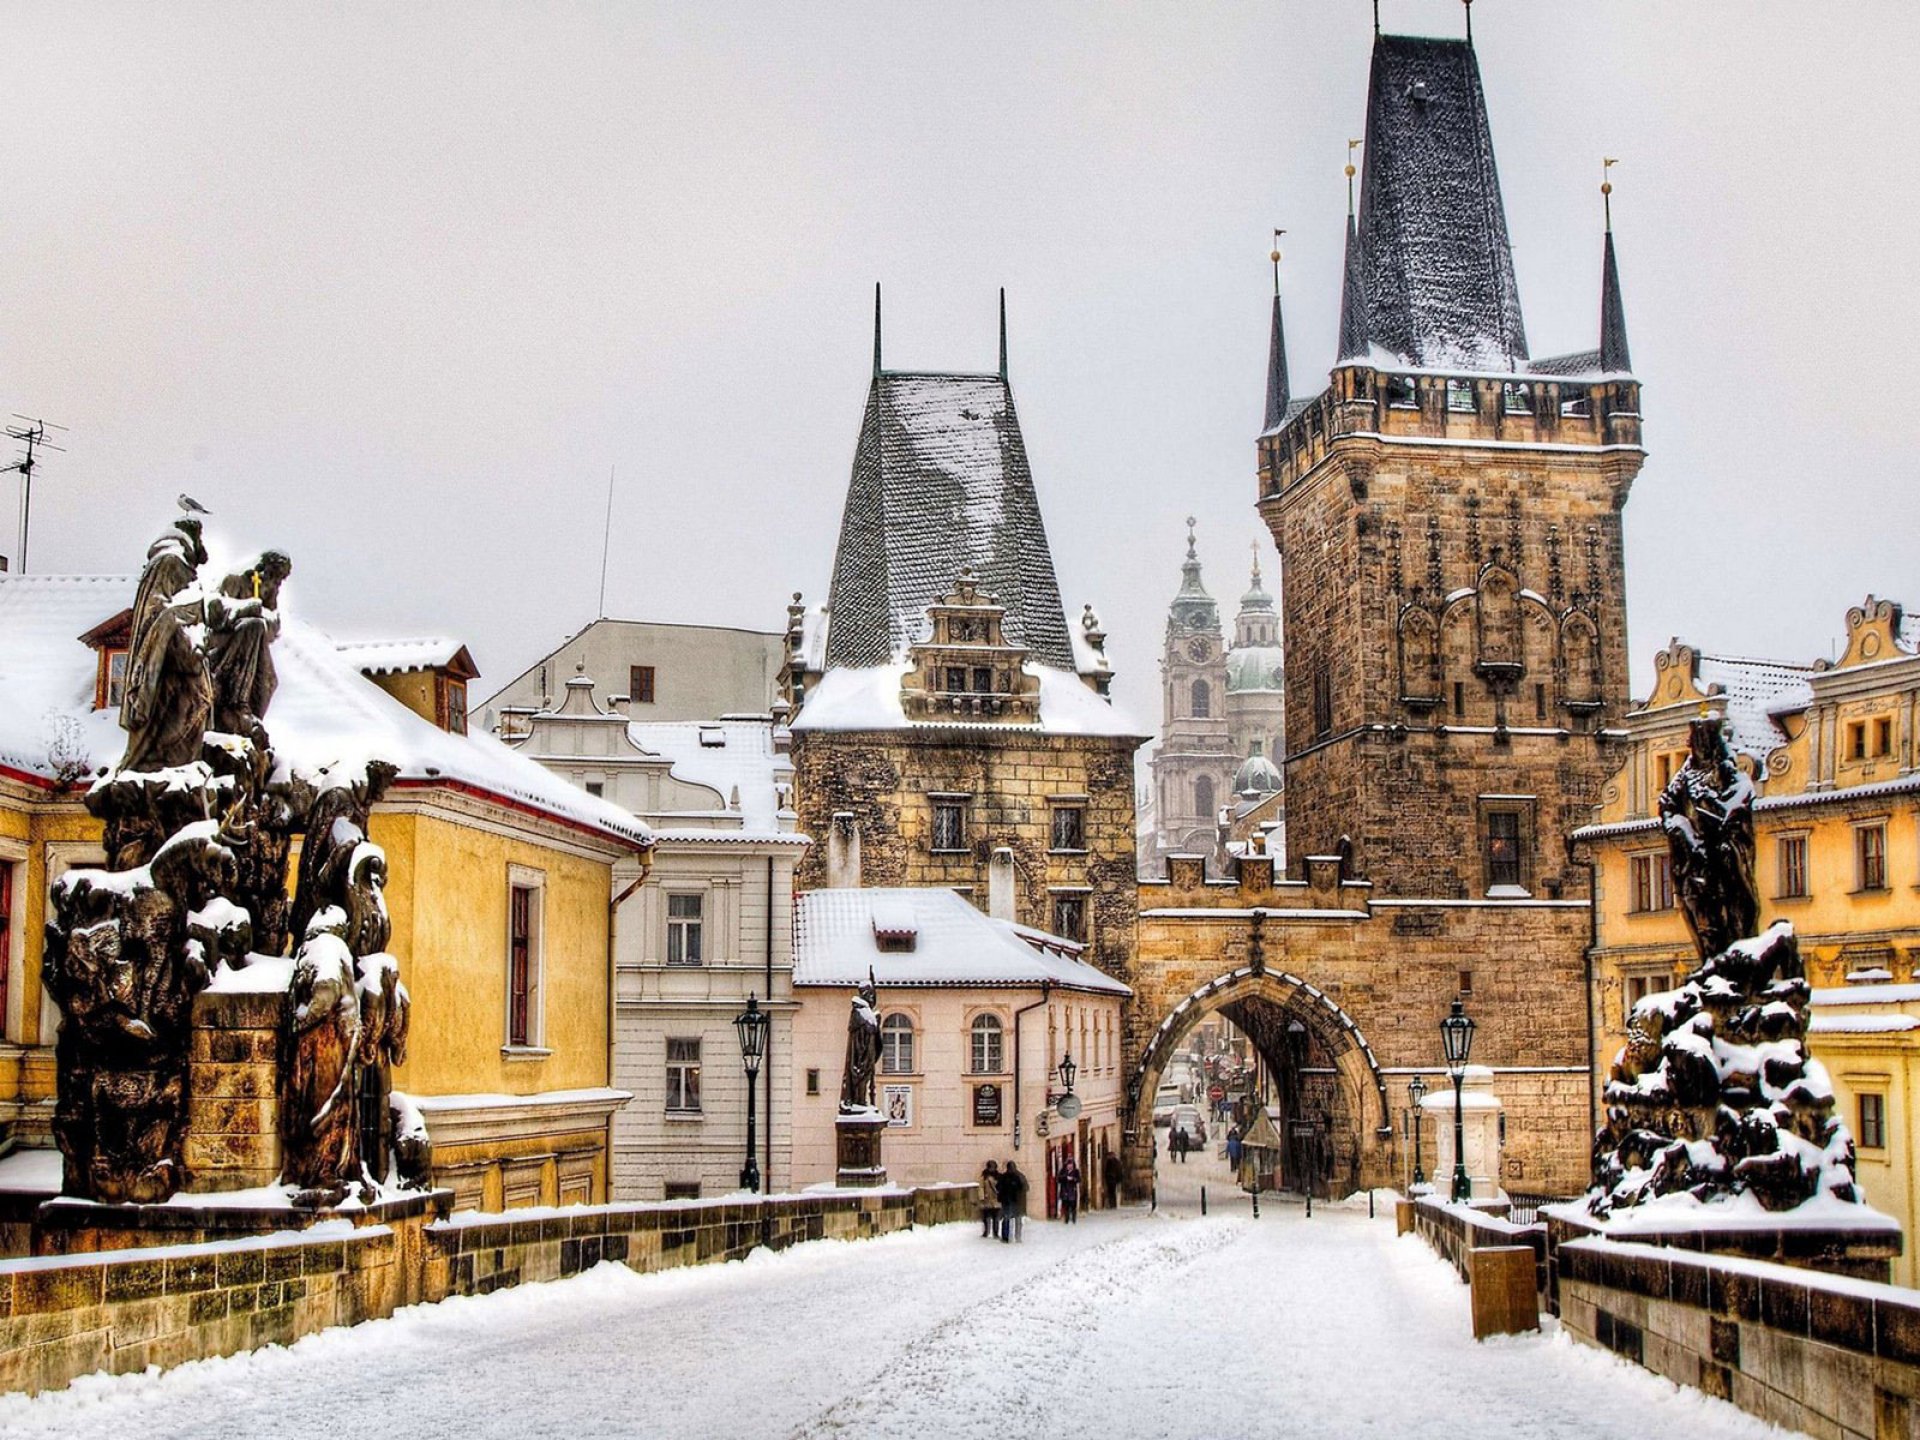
(1068,1183)
(1013,1203)
(989,1199)
(1233,1147)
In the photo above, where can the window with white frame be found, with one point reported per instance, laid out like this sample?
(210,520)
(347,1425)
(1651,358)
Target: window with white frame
(1793,867)
(989,1049)
(683,1075)
(526,893)
(1870,854)
(686,922)
(1652,881)
(896,1045)
(1871,1133)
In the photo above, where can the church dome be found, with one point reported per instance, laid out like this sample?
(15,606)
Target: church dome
(1253,668)
(1257,775)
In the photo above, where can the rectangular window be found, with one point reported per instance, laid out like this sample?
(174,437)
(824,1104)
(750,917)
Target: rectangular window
(1460,397)
(1793,866)
(1401,394)
(1872,1130)
(451,701)
(1870,845)
(1575,400)
(813,1081)
(1070,917)
(956,678)
(681,1190)
(1503,848)
(1322,704)
(1883,736)
(523,966)
(1635,989)
(1459,699)
(1652,882)
(949,825)
(596,787)
(1517,399)
(1540,704)
(1857,740)
(116,676)
(684,926)
(640,684)
(1069,827)
(1466,982)
(982,680)
(683,1077)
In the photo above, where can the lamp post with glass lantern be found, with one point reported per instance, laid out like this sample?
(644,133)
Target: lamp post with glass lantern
(752,1025)
(1416,1093)
(1456,1036)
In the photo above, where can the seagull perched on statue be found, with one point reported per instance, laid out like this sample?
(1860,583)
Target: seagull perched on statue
(191,506)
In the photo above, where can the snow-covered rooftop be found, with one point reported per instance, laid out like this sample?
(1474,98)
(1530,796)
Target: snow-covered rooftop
(868,698)
(387,657)
(953,944)
(1756,691)
(325,711)
(730,756)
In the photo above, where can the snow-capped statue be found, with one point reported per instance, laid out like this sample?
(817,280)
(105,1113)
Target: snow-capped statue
(863,1049)
(199,818)
(1714,1094)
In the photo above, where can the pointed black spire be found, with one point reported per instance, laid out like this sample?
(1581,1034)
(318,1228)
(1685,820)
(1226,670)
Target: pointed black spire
(876,329)
(1003,332)
(1439,289)
(1277,392)
(1354,338)
(1613,317)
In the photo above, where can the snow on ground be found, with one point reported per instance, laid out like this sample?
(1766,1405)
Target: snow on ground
(1127,1325)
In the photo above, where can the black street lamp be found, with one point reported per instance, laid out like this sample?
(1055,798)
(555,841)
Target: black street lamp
(1456,1036)
(752,1025)
(1417,1092)
(1067,1070)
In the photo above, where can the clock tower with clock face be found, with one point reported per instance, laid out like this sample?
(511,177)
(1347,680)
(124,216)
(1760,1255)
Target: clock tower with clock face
(1193,768)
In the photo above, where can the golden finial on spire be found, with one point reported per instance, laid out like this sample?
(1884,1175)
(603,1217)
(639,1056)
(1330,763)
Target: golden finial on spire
(1607,162)
(1352,145)
(1275,257)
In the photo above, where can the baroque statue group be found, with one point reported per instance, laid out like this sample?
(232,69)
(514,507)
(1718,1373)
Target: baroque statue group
(199,820)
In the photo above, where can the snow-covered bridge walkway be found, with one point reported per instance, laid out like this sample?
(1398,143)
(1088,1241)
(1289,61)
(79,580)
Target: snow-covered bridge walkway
(1128,1325)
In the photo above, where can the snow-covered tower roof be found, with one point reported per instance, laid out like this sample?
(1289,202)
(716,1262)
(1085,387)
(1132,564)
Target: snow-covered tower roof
(940,482)
(1430,268)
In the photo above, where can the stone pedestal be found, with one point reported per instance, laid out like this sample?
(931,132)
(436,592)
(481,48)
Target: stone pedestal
(233,1087)
(1480,1122)
(857,1148)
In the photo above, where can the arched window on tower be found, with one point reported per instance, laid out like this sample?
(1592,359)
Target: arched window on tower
(1203,796)
(1202,700)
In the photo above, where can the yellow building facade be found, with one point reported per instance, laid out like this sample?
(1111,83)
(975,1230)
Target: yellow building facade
(1833,748)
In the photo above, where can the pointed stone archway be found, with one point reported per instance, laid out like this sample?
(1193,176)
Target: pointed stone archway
(1339,1086)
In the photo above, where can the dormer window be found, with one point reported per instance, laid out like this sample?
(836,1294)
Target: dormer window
(112,686)
(110,641)
(450,703)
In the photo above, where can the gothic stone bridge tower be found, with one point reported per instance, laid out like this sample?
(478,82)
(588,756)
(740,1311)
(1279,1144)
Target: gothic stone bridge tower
(1447,511)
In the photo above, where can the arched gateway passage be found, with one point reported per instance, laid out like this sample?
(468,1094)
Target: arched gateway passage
(1324,1071)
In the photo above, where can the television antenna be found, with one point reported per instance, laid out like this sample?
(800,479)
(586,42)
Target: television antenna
(32,435)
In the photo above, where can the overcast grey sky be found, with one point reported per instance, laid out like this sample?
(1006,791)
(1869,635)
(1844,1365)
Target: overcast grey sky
(392,287)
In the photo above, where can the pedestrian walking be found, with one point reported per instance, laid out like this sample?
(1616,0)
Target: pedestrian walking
(989,1198)
(1013,1203)
(1233,1147)
(1179,1147)
(1068,1181)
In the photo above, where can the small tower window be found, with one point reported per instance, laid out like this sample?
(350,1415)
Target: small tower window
(1203,796)
(1460,397)
(1202,700)
(1516,399)
(1575,400)
(1401,394)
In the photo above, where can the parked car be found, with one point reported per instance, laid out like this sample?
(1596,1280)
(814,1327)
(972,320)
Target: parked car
(1187,1118)
(1166,1100)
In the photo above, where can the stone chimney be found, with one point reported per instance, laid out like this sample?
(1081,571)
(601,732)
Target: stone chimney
(843,852)
(1000,884)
